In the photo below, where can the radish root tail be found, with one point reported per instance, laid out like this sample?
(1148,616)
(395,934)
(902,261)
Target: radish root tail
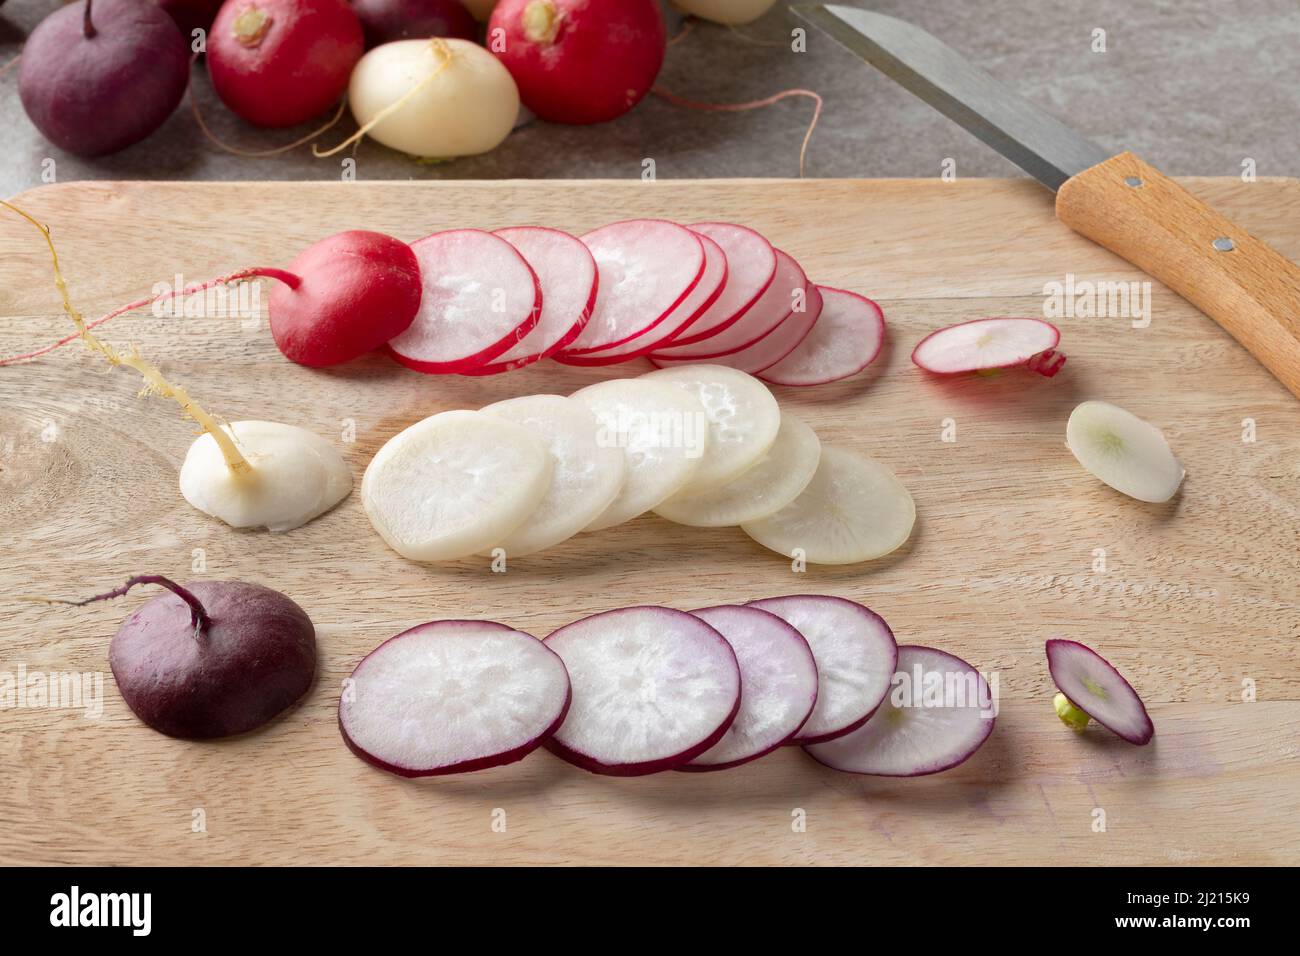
(198,613)
(1047,363)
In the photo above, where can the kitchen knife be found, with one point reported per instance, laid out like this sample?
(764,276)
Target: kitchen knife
(1117,201)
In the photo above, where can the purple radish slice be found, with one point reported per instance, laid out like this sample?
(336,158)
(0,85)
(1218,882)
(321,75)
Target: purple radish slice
(751,266)
(915,733)
(983,344)
(1091,687)
(856,657)
(480,298)
(652,689)
(774,346)
(846,339)
(778,681)
(451,697)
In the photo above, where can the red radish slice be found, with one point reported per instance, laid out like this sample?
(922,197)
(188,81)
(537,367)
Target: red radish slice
(774,346)
(751,266)
(566,273)
(846,339)
(453,696)
(480,298)
(778,679)
(652,689)
(987,343)
(1092,685)
(856,656)
(646,267)
(918,730)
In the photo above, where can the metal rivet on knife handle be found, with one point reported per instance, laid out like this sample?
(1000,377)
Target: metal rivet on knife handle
(1224,244)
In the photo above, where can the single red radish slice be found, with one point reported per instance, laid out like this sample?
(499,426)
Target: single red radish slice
(652,689)
(1091,684)
(646,268)
(856,656)
(566,273)
(751,266)
(846,339)
(480,298)
(918,729)
(778,679)
(451,697)
(985,344)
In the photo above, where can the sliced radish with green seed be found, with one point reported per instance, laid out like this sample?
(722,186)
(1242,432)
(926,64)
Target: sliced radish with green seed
(983,344)
(1091,687)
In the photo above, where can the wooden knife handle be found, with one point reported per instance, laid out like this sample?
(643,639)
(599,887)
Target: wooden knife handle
(1244,284)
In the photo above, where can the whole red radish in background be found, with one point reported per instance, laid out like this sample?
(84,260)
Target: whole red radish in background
(283,62)
(191,15)
(387,20)
(579,61)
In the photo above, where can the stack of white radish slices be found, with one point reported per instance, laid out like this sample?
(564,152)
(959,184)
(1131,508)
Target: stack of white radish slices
(701,445)
(645,689)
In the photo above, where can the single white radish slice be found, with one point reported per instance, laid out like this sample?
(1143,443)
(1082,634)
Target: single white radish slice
(774,346)
(585,476)
(295,476)
(778,685)
(652,689)
(984,344)
(480,298)
(939,712)
(454,484)
(854,509)
(856,656)
(777,479)
(566,273)
(451,697)
(1092,685)
(646,268)
(751,266)
(1123,451)
(846,339)
(663,432)
(743,420)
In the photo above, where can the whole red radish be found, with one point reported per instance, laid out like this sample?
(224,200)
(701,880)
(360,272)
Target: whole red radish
(579,61)
(96,79)
(283,62)
(191,15)
(387,20)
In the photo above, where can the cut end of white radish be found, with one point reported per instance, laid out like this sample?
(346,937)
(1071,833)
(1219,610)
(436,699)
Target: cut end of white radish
(295,476)
(1093,685)
(451,697)
(986,344)
(848,336)
(1123,451)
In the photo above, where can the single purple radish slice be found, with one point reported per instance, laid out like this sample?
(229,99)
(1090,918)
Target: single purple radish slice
(646,268)
(856,656)
(846,339)
(453,696)
(983,344)
(1092,687)
(480,298)
(774,346)
(652,689)
(778,680)
(566,273)
(938,714)
(751,266)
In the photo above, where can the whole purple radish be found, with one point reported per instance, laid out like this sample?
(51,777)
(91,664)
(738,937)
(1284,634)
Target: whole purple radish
(96,80)
(384,21)
(1091,688)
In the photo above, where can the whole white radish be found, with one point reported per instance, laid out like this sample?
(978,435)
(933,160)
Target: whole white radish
(726,12)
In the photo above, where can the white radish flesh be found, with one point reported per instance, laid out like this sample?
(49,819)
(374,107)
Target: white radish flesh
(984,344)
(846,339)
(1094,686)
(1123,451)
(774,346)
(751,267)
(854,509)
(652,689)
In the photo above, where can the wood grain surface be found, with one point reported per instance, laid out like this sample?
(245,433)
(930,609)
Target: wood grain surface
(1196,603)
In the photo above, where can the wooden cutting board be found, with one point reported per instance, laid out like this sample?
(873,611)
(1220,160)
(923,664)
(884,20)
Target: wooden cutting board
(1196,603)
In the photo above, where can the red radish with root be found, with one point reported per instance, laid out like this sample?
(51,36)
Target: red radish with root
(384,21)
(985,344)
(1091,688)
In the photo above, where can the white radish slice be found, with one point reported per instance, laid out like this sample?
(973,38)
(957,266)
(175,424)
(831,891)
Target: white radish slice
(777,479)
(846,339)
(856,656)
(984,344)
(454,484)
(743,420)
(778,685)
(451,697)
(566,273)
(480,298)
(751,266)
(652,689)
(914,732)
(1093,685)
(663,432)
(774,346)
(585,477)
(646,268)
(1123,451)
(295,476)
(854,509)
